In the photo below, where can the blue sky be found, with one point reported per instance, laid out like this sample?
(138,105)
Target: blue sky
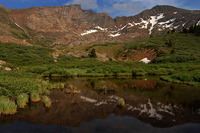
(112,7)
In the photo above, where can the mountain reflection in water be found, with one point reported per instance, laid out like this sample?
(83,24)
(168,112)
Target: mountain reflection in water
(151,106)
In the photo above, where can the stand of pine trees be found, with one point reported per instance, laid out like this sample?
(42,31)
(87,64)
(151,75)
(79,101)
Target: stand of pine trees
(195,29)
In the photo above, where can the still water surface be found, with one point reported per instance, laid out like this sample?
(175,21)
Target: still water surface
(151,106)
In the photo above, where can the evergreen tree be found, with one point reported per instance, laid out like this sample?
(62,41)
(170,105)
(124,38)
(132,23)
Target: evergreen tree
(172,31)
(185,30)
(191,29)
(93,53)
(169,43)
(197,30)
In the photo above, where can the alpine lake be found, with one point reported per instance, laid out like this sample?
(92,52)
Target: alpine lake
(151,105)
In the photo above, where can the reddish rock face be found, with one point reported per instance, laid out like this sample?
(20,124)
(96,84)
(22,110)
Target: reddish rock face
(70,25)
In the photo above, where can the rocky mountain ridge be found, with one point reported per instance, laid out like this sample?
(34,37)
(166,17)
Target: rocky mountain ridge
(71,25)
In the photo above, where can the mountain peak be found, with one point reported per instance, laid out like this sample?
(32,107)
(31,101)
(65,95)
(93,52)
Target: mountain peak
(167,8)
(163,6)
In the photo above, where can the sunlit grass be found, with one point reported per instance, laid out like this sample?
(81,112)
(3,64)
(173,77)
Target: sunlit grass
(35,97)
(22,100)
(7,106)
(47,101)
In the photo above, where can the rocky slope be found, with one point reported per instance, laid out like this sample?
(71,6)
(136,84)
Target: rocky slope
(71,25)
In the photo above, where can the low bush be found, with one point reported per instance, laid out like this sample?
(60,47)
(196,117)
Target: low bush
(161,71)
(138,72)
(22,55)
(183,77)
(17,82)
(173,59)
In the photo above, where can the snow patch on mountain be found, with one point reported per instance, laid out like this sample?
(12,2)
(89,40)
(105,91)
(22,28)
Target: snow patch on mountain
(198,23)
(131,25)
(114,35)
(123,27)
(175,27)
(116,31)
(154,21)
(168,25)
(100,28)
(149,23)
(145,23)
(18,25)
(88,32)
(167,22)
(136,23)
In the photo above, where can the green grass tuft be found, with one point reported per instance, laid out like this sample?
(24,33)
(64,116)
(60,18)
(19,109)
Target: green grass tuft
(35,97)
(7,106)
(47,101)
(22,100)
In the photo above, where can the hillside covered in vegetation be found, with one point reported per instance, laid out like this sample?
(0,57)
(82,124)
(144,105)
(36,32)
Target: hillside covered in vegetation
(174,57)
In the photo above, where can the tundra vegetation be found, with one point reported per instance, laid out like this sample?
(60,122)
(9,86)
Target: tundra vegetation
(7,106)
(22,100)
(178,60)
(35,97)
(47,101)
